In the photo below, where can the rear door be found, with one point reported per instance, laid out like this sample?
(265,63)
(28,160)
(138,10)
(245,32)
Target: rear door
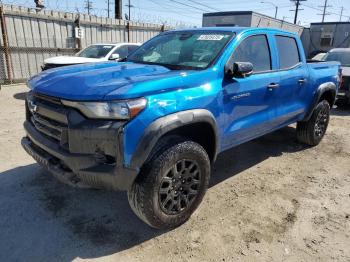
(249,102)
(294,75)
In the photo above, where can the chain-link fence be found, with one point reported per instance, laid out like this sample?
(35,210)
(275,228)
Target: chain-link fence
(18,63)
(29,36)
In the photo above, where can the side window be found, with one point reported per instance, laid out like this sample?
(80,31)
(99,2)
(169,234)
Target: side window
(254,49)
(288,52)
(122,51)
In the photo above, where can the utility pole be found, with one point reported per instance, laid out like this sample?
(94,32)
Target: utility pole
(129,5)
(297,9)
(324,10)
(275,6)
(341,13)
(108,8)
(88,6)
(118,9)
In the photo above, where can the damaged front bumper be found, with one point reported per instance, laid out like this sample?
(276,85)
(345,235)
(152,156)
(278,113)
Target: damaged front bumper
(78,151)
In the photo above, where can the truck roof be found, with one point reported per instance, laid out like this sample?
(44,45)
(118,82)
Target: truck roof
(235,29)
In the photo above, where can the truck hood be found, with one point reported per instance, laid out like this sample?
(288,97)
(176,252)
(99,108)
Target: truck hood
(110,80)
(71,60)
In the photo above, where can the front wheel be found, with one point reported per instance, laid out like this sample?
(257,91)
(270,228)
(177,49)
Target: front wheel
(312,131)
(171,185)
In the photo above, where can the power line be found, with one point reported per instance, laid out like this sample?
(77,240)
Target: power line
(204,5)
(194,7)
(318,9)
(167,9)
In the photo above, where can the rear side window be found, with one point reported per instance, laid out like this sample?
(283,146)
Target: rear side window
(288,52)
(254,49)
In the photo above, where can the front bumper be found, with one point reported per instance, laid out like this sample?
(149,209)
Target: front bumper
(84,153)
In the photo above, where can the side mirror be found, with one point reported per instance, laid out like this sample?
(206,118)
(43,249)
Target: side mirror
(240,69)
(114,57)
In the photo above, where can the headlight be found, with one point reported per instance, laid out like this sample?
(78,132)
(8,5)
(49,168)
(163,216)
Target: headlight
(109,110)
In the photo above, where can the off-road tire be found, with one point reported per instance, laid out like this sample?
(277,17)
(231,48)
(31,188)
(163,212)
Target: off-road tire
(309,132)
(144,197)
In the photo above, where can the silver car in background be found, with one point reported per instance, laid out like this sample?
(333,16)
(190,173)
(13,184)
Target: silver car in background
(342,55)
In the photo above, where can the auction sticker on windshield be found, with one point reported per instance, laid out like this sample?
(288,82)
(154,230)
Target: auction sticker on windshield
(210,37)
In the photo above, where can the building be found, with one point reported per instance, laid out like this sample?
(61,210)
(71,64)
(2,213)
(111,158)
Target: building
(253,19)
(328,35)
(248,19)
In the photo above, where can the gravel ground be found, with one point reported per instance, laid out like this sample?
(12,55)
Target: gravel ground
(271,199)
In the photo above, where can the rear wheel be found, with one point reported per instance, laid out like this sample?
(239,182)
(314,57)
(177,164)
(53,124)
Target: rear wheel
(171,185)
(312,131)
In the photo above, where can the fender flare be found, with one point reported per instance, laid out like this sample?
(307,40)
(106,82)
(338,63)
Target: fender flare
(325,87)
(165,124)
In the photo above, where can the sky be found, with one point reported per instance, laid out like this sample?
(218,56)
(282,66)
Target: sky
(189,12)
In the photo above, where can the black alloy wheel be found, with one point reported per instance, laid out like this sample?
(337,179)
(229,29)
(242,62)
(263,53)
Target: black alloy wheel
(179,187)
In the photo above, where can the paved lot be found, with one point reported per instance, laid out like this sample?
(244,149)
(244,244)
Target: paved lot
(271,199)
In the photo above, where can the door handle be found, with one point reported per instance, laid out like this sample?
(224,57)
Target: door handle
(272,86)
(302,81)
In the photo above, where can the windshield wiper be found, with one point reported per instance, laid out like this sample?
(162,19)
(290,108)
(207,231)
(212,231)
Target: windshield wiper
(169,66)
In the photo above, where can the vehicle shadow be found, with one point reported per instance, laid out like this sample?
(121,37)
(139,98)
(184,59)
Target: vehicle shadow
(20,96)
(343,110)
(42,219)
(254,152)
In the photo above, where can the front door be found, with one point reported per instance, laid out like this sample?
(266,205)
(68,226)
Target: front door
(249,102)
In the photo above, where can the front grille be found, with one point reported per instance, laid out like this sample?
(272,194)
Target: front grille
(47,126)
(49,118)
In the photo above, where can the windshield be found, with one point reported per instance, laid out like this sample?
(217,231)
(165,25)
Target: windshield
(182,50)
(95,51)
(342,57)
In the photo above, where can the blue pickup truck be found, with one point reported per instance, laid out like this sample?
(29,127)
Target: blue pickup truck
(153,124)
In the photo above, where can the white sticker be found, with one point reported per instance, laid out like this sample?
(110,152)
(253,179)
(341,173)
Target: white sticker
(210,37)
(107,47)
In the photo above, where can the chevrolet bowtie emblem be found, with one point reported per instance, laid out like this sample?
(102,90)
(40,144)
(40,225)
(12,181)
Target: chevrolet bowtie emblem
(32,107)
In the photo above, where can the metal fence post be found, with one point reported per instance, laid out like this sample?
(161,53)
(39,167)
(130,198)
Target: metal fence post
(128,30)
(77,24)
(6,44)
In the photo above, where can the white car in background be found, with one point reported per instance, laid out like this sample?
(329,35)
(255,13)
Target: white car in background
(92,54)
(319,56)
